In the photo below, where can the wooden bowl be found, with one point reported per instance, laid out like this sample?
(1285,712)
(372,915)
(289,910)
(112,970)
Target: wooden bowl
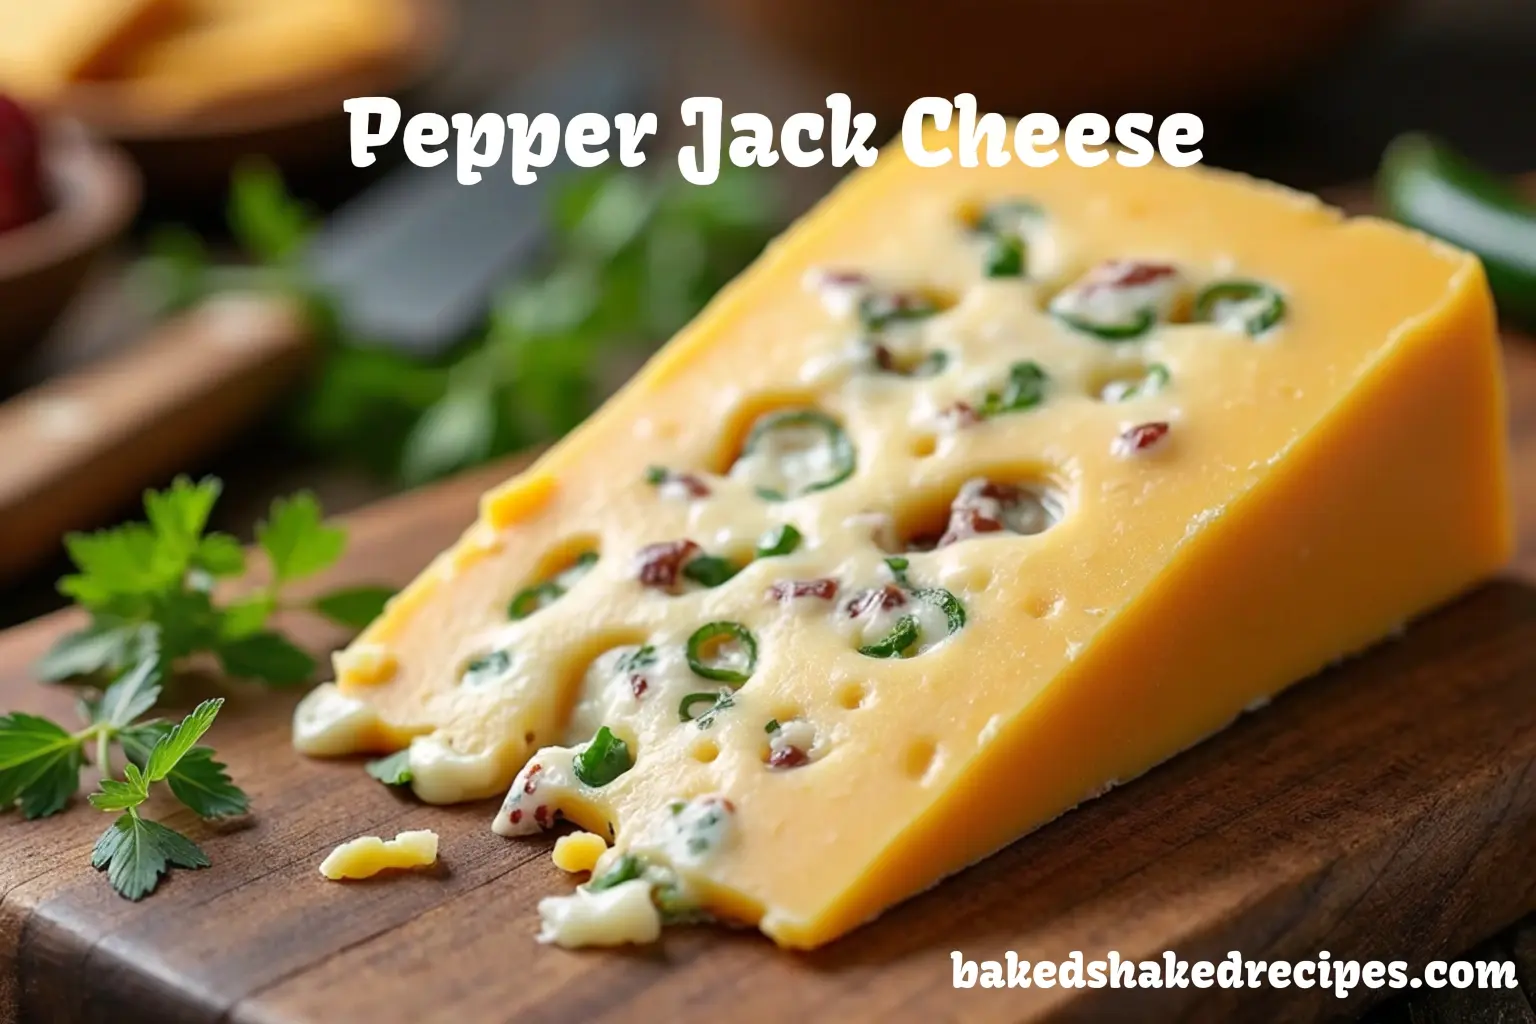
(1058,56)
(95,192)
(298,125)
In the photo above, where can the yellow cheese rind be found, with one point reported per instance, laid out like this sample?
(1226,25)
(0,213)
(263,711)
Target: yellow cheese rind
(1305,503)
(366,856)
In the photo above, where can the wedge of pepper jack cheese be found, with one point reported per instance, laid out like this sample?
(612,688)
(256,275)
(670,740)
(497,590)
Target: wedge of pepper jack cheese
(982,491)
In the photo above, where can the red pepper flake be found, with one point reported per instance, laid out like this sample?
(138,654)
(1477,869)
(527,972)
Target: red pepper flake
(1116,274)
(541,815)
(1140,437)
(531,783)
(978,509)
(788,590)
(516,815)
(788,757)
(875,599)
(638,684)
(684,485)
(959,416)
(659,565)
(885,360)
(840,278)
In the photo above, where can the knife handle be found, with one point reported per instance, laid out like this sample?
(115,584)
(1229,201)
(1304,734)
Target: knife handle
(79,447)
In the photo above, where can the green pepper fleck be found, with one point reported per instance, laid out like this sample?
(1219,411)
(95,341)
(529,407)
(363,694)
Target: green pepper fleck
(1004,256)
(626,869)
(709,570)
(1111,332)
(1025,389)
(702,662)
(781,540)
(954,611)
(486,669)
(895,643)
(718,701)
(603,760)
(879,310)
(1257,306)
(843,458)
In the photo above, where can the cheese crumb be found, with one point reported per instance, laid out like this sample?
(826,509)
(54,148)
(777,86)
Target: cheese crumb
(367,856)
(366,664)
(608,917)
(578,851)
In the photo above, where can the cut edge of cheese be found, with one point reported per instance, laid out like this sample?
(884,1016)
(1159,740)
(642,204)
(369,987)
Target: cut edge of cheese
(1288,562)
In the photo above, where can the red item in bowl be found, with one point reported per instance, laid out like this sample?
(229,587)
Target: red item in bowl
(21,167)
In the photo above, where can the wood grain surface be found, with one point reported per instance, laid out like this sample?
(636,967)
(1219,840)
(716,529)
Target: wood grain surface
(1386,809)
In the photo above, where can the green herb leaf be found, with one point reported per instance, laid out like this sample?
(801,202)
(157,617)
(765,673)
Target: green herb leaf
(40,764)
(296,540)
(121,796)
(246,616)
(354,607)
(458,431)
(197,780)
(266,656)
(135,853)
(175,744)
(98,649)
(394,770)
(132,694)
(602,760)
(219,555)
(264,218)
(626,869)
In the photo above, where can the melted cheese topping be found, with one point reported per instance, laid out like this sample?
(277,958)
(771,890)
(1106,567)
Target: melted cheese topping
(1065,519)
(366,856)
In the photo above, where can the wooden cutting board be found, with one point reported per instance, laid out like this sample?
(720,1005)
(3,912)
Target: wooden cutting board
(1386,809)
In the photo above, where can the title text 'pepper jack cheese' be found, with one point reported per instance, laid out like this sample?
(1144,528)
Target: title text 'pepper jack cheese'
(982,491)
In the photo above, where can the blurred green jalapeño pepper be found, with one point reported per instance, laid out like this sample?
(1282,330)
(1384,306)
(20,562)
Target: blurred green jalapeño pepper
(1426,185)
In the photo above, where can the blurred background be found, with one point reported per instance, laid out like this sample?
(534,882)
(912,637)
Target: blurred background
(403,327)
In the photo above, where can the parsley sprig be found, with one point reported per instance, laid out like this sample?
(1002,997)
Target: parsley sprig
(149,589)
(151,585)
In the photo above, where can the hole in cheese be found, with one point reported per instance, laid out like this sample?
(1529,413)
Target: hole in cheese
(949,513)
(919,756)
(851,696)
(704,751)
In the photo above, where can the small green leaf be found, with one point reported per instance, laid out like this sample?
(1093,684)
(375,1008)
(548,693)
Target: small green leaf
(602,760)
(179,514)
(135,853)
(98,649)
(394,770)
(354,607)
(456,432)
(246,616)
(39,764)
(132,694)
(220,555)
(181,738)
(264,218)
(197,780)
(267,656)
(119,796)
(296,539)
